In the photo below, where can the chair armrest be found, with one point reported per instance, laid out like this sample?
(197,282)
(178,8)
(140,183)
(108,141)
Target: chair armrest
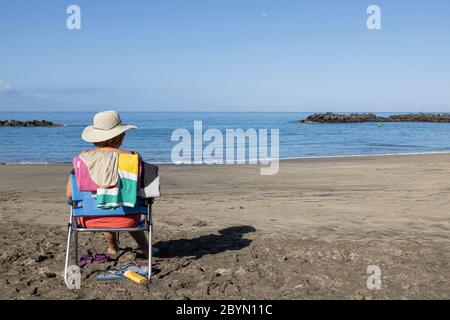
(73,203)
(148,201)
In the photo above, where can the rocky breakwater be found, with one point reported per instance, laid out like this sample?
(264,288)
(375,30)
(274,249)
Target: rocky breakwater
(33,123)
(330,117)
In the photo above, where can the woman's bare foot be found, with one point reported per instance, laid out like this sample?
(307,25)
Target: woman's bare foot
(113,248)
(112,251)
(142,254)
(141,240)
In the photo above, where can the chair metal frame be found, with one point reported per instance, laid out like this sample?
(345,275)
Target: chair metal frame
(74,228)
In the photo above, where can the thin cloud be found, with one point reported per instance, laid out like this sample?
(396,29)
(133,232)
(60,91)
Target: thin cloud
(68,90)
(6,88)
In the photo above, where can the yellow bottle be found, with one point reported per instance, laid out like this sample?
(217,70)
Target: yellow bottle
(135,277)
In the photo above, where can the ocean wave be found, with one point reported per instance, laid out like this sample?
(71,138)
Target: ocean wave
(240,162)
(393,145)
(32,163)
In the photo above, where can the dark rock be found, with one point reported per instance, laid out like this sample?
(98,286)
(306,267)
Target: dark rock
(33,123)
(370,117)
(41,258)
(34,291)
(50,275)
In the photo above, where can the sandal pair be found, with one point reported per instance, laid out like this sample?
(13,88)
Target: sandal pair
(88,259)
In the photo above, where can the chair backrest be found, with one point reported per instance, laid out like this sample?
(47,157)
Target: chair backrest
(86,206)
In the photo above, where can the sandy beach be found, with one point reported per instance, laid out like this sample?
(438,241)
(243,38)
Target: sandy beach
(309,232)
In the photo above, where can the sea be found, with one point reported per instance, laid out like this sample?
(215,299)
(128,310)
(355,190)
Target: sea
(153,138)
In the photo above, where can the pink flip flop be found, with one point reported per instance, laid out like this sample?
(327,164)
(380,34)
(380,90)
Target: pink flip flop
(84,260)
(101,258)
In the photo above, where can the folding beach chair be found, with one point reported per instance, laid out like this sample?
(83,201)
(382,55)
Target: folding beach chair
(83,204)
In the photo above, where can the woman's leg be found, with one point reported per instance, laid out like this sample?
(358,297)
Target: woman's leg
(141,240)
(111,238)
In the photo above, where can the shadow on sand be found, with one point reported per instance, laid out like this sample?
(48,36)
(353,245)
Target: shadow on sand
(228,239)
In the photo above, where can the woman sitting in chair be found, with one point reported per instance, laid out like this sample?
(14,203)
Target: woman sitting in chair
(107,134)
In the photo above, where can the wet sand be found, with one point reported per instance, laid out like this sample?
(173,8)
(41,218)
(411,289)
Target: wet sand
(309,232)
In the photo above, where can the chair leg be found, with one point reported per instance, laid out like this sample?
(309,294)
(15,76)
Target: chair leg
(149,255)
(76,248)
(66,266)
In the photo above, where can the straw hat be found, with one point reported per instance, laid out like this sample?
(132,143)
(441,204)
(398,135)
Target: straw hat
(107,125)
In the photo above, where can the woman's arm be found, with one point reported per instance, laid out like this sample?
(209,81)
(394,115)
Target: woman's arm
(69,188)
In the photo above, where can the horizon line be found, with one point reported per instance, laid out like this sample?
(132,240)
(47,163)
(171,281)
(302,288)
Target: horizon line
(200,111)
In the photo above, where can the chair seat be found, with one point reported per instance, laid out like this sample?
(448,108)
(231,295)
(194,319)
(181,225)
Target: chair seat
(140,225)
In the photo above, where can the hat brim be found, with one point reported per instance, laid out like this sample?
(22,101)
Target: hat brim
(90,134)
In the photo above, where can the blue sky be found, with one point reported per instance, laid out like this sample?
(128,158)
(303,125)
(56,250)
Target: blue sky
(217,55)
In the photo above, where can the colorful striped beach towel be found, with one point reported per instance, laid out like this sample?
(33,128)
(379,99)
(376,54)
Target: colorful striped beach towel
(125,192)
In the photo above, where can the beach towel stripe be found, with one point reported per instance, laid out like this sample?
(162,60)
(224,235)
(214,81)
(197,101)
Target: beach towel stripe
(108,192)
(125,193)
(123,174)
